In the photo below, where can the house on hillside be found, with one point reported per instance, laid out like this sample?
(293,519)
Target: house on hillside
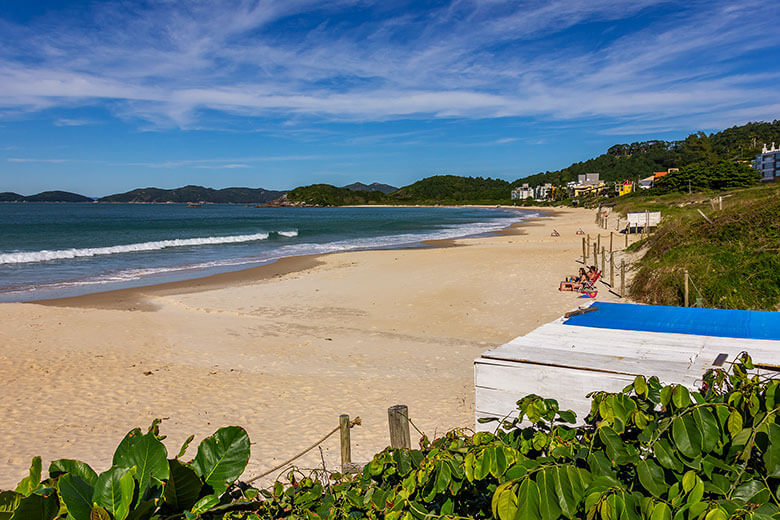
(586,184)
(624,188)
(522,192)
(647,182)
(768,163)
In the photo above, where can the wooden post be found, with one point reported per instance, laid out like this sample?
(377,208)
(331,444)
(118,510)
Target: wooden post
(584,252)
(610,242)
(612,270)
(587,251)
(647,222)
(398,418)
(622,278)
(686,288)
(720,203)
(603,260)
(598,244)
(346,450)
(606,222)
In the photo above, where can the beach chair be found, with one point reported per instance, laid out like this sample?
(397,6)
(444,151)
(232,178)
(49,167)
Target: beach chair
(589,286)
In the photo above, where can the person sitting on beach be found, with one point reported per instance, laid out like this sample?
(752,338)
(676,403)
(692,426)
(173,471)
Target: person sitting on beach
(555,233)
(579,232)
(576,282)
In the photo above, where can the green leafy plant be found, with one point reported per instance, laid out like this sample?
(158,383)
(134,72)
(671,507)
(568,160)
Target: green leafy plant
(141,484)
(651,451)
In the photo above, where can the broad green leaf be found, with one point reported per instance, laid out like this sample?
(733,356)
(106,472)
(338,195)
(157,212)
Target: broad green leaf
(600,465)
(31,482)
(147,454)
(221,458)
(661,511)
(651,476)
(734,423)
(614,445)
(747,491)
(772,453)
(666,395)
(689,480)
(76,493)
(205,503)
(681,397)
(567,416)
(696,493)
(708,426)
(570,485)
(443,476)
(183,487)
(37,507)
(548,497)
(686,436)
(504,502)
(73,467)
(664,453)
(528,501)
(114,491)
(9,501)
(640,386)
(716,514)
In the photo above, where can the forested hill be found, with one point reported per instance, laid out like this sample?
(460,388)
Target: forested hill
(196,194)
(46,196)
(446,189)
(439,189)
(629,161)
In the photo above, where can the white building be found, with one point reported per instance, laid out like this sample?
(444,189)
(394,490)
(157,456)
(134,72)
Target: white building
(522,192)
(768,163)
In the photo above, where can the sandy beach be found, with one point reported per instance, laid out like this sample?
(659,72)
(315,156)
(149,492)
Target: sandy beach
(281,350)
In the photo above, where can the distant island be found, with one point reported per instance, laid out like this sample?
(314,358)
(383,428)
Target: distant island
(45,196)
(196,194)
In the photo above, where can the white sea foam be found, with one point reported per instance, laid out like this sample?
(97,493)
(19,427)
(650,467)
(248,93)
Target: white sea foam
(24,257)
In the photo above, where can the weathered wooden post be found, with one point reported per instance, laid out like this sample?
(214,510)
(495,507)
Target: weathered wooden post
(720,203)
(584,252)
(610,242)
(606,221)
(346,450)
(622,278)
(626,238)
(598,243)
(647,222)
(686,288)
(595,254)
(612,270)
(587,251)
(603,260)
(398,418)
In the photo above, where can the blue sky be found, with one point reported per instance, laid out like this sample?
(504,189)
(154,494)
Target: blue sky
(99,97)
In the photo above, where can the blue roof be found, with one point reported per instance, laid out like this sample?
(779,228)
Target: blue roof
(725,323)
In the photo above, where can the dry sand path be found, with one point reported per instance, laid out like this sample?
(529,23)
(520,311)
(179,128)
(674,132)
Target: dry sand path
(281,350)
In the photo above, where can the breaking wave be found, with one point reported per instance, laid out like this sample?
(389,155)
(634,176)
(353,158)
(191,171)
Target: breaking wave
(24,257)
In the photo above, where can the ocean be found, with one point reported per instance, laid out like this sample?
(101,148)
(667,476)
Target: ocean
(57,250)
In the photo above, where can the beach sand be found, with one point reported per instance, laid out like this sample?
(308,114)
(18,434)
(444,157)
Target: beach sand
(281,350)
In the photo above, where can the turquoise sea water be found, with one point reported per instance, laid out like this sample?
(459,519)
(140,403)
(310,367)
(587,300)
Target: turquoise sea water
(53,250)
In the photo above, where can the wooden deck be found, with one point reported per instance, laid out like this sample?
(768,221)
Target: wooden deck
(565,362)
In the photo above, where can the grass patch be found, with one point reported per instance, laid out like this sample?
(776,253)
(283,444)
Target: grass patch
(733,262)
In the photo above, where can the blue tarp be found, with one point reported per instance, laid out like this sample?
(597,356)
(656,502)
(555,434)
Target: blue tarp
(724,323)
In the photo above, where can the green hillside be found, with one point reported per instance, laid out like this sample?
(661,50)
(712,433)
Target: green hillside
(327,195)
(641,159)
(196,194)
(449,189)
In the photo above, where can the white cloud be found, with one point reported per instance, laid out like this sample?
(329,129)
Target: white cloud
(173,63)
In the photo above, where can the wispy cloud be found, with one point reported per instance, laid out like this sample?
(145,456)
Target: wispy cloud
(70,122)
(37,160)
(174,63)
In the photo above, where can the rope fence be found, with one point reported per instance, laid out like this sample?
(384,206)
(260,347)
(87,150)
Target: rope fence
(398,422)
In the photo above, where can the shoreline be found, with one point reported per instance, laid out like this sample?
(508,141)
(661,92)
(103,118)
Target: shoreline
(281,350)
(131,298)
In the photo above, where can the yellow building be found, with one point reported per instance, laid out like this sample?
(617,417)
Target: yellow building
(625,188)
